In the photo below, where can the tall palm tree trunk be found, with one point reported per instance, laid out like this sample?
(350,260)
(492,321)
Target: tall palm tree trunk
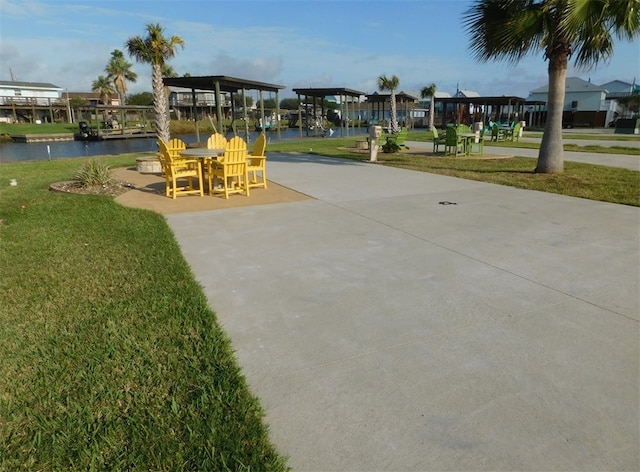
(395,129)
(160,104)
(550,157)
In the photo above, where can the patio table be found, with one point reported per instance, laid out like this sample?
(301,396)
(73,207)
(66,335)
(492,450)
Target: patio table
(468,137)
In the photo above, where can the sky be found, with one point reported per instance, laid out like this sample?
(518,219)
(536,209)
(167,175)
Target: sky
(302,43)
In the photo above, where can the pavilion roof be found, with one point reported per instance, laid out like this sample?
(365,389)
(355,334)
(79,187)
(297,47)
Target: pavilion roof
(327,91)
(226,83)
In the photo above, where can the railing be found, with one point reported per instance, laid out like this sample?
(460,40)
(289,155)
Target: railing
(32,101)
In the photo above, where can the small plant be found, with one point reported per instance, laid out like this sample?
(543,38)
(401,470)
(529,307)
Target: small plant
(94,173)
(390,146)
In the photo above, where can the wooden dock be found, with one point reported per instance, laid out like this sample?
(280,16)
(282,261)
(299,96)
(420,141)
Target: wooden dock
(42,138)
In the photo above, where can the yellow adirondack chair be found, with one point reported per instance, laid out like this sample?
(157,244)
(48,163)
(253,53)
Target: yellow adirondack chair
(176,146)
(230,169)
(257,162)
(177,169)
(216,141)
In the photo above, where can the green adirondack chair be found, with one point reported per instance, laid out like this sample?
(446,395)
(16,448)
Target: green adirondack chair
(453,143)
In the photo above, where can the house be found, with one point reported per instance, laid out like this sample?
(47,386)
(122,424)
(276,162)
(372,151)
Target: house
(30,101)
(617,106)
(92,99)
(585,102)
(580,95)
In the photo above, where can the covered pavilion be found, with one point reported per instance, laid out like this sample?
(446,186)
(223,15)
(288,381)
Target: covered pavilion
(468,110)
(347,97)
(231,85)
(378,101)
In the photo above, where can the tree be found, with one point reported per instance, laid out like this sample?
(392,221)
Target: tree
(510,29)
(270,103)
(289,103)
(430,91)
(141,99)
(391,84)
(238,101)
(119,71)
(156,49)
(103,86)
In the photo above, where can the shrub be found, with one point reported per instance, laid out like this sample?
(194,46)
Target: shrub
(390,146)
(94,173)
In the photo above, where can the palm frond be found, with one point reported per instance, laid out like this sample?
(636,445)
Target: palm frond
(504,29)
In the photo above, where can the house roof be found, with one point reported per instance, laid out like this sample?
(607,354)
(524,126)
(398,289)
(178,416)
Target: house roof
(467,93)
(494,101)
(326,92)
(20,84)
(385,97)
(573,84)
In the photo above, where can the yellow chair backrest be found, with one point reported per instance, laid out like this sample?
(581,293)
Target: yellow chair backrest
(175,147)
(259,146)
(235,154)
(216,141)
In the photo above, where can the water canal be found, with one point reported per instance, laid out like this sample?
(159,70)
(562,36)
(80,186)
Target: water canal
(12,152)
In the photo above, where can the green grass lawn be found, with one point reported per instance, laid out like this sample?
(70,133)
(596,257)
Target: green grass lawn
(111,357)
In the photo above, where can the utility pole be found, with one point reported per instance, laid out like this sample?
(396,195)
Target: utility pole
(69,116)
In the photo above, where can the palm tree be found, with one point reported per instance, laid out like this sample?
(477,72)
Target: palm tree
(119,71)
(155,49)
(430,91)
(510,29)
(104,88)
(391,84)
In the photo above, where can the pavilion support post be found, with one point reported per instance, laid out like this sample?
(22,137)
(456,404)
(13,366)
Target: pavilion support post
(300,115)
(219,109)
(233,114)
(195,114)
(244,112)
(278,115)
(344,113)
(263,122)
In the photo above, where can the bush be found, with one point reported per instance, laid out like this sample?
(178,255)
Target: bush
(94,173)
(390,146)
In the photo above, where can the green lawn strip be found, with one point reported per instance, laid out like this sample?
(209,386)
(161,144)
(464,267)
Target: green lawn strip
(601,183)
(32,128)
(626,150)
(634,151)
(111,358)
(589,136)
(608,184)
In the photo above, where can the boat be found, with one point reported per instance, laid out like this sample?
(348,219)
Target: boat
(265,127)
(86,132)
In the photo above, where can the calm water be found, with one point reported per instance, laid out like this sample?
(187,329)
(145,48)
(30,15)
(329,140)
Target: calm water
(11,152)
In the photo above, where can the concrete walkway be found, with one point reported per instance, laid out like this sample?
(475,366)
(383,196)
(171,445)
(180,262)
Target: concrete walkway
(409,321)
